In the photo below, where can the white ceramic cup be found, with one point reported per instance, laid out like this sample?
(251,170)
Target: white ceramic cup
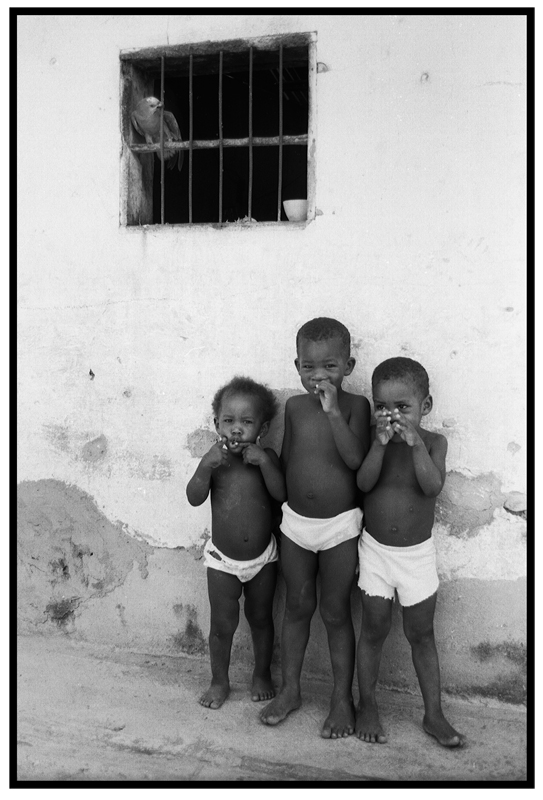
(296,210)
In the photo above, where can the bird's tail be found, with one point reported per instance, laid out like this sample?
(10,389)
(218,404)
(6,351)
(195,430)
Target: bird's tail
(173,158)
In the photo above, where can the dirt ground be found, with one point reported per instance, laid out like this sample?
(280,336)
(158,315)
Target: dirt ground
(94,714)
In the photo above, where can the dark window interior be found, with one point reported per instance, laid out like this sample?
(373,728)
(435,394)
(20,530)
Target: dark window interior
(235,105)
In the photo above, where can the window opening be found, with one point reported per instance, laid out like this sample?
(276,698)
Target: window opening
(243,110)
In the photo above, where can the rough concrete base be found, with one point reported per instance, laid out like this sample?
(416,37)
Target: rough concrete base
(98,714)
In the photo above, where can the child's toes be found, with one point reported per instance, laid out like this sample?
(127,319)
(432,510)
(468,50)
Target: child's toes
(262,689)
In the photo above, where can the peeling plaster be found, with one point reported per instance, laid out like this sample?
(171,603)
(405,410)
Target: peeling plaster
(138,464)
(466,504)
(199,442)
(68,550)
(197,549)
(513,447)
(495,552)
(95,450)
(516,503)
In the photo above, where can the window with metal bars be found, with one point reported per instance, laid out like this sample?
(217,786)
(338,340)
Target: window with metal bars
(244,112)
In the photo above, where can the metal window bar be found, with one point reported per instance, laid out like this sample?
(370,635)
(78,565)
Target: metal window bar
(220,138)
(251,141)
(250,199)
(280,177)
(191,100)
(213,144)
(162,140)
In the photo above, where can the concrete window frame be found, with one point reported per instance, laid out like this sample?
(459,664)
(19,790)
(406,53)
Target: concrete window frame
(140,72)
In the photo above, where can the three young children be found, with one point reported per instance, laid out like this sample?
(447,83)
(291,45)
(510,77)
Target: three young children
(328,453)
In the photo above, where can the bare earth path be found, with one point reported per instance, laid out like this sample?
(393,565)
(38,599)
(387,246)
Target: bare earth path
(94,714)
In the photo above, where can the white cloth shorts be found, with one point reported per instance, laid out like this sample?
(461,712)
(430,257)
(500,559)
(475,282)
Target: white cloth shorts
(320,534)
(411,571)
(244,570)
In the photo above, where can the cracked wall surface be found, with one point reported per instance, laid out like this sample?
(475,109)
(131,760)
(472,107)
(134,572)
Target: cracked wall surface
(68,552)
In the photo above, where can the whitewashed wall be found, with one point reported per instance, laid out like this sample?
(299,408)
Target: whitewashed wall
(419,250)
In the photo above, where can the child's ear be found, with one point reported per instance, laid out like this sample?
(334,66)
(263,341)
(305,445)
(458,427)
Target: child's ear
(264,429)
(297,364)
(427,405)
(350,365)
(216,421)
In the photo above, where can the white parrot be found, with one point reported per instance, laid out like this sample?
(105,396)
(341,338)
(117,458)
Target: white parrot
(146,120)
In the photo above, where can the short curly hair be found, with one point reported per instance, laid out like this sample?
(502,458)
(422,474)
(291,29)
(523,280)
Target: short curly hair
(324,328)
(400,368)
(240,385)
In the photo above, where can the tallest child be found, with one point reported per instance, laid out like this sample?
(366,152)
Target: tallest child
(326,438)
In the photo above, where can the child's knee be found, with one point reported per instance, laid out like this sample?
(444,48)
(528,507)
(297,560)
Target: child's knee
(258,617)
(334,614)
(301,606)
(376,629)
(420,633)
(224,625)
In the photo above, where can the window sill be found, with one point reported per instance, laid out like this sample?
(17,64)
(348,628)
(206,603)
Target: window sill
(218,226)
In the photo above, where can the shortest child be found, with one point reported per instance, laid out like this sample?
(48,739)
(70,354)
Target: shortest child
(244,479)
(401,477)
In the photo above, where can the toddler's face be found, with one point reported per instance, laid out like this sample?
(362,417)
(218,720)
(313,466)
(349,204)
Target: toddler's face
(239,420)
(322,360)
(403,396)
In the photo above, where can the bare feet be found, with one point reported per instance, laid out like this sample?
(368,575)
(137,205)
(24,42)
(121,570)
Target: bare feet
(262,689)
(443,731)
(280,707)
(215,695)
(340,721)
(368,725)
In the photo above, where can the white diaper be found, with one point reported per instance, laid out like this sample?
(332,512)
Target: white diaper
(411,571)
(244,570)
(320,534)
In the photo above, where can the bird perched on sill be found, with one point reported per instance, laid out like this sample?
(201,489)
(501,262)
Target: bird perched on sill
(146,120)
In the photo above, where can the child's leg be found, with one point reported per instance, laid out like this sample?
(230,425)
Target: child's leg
(418,624)
(258,609)
(337,568)
(299,568)
(224,591)
(376,620)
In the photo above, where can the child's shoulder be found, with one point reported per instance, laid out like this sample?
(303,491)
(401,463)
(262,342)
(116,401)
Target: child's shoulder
(358,398)
(355,400)
(296,400)
(433,439)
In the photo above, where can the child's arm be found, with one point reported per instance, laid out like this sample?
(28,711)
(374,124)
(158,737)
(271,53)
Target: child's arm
(369,472)
(287,436)
(429,464)
(199,485)
(351,437)
(270,468)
